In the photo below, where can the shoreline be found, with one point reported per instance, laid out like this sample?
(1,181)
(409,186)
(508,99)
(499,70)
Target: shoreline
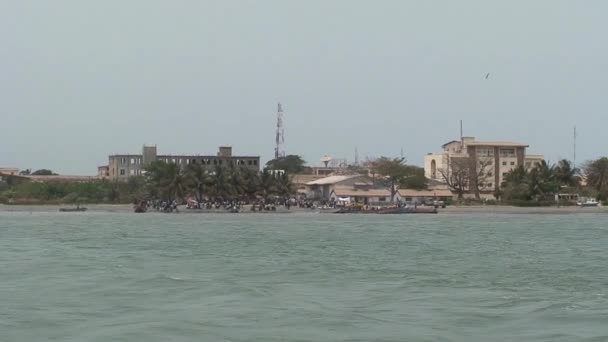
(473,209)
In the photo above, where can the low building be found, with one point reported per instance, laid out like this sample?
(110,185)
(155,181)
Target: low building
(9,171)
(103,171)
(123,166)
(411,196)
(362,195)
(323,187)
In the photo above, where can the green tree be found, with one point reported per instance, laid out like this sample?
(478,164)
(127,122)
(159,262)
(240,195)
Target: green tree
(567,175)
(292,164)
(43,172)
(393,170)
(596,176)
(283,185)
(198,180)
(416,180)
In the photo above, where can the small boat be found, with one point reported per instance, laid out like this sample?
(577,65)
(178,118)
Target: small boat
(588,202)
(68,210)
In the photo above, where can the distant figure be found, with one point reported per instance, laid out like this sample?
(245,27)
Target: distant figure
(487,75)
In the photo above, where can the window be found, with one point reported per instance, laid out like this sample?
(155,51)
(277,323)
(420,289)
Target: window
(504,163)
(249,162)
(255,162)
(214,161)
(122,172)
(504,174)
(381,199)
(220,162)
(507,152)
(490,185)
(490,174)
(485,152)
(512,163)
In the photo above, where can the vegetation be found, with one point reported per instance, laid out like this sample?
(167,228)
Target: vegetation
(395,172)
(596,175)
(98,191)
(466,174)
(170,182)
(166,181)
(42,172)
(291,164)
(541,183)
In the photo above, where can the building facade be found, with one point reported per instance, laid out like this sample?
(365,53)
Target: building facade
(497,158)
(123,166)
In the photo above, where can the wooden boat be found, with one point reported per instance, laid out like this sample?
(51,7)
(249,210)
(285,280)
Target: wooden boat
(68,210)
(387,210)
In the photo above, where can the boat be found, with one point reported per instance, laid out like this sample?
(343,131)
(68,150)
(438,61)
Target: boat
(588,202)
(140,207)
(72,209)
(386,210)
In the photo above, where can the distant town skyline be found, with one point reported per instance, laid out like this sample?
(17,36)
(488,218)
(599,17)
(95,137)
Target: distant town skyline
(83,80)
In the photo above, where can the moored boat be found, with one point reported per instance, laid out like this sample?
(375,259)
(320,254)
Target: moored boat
(72,209)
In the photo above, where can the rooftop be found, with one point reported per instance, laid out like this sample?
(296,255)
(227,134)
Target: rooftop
(350,192)
(497,143)
(331,180)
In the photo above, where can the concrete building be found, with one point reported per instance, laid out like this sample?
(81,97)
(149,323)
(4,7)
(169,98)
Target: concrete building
(9,171)
(103,171)
(123,166)
(499,158)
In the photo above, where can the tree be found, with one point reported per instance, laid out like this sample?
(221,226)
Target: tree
(43,172)
(393,170)
(283,185)
(292,164)
(596,176)
(479,173)
(198,179)
(566,174)
(416,180)
(456,174)
(166,180)
(25,172)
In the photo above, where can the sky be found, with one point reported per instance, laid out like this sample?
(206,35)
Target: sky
(80,80)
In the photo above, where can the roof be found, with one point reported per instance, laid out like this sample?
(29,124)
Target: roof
(304,179)
(350,192)
(497,143)
(449,142)
(424,193)
(331,180)
(534,156)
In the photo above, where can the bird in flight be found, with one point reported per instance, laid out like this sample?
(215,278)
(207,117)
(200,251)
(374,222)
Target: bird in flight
(487,75)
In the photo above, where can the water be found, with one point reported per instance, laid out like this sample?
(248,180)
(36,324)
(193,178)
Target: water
(302,277)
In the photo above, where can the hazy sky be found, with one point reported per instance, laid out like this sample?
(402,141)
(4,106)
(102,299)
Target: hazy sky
(84,79)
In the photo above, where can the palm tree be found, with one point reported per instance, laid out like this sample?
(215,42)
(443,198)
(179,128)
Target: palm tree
(221,187)
(283,185)
(542,180)
(596,176)
(198,180)
(267,184)
(566,174)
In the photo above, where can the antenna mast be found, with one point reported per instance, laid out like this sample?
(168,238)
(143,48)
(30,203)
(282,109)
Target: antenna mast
(280,134)
(574,148)
(460,130)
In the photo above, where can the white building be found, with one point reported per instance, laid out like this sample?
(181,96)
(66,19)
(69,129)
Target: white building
(499,158)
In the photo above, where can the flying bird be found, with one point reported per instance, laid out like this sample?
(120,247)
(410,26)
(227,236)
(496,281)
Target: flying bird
(487,75)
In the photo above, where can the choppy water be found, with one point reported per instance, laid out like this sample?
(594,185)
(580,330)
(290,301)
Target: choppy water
(303,277)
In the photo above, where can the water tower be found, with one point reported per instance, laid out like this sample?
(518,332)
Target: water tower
(326,159)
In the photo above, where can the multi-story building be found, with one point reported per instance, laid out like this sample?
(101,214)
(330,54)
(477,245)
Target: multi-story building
(496,157)
(123,166)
